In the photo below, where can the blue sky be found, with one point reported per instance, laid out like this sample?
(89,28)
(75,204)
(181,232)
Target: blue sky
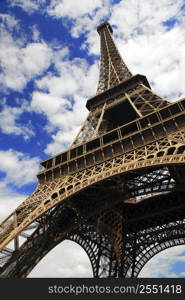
(49,53)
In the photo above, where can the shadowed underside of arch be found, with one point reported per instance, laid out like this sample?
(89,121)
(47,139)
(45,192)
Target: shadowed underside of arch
(170,236)
(146,232)
(58,223)
(158,248)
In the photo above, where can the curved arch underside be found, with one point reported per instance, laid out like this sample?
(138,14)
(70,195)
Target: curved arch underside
(156,249)
(145,233)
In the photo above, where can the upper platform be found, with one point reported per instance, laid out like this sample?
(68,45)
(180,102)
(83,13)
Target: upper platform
(115,91)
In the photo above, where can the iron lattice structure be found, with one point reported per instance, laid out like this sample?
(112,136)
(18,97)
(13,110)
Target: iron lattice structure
(118,191)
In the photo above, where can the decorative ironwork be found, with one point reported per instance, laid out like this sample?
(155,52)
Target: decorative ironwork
(118,191)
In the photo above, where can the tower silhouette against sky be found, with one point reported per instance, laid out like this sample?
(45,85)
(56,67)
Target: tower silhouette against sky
(119,189)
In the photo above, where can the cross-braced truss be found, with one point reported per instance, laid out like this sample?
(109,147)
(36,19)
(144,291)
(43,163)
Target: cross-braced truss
(112,68)
(118,191)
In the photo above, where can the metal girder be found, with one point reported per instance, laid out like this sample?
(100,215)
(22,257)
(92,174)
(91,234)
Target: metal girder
(118,191)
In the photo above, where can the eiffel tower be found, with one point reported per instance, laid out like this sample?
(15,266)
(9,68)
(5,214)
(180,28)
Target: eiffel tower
(119,189)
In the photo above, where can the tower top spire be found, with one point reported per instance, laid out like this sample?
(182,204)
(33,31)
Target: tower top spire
(104,25)
(113,70)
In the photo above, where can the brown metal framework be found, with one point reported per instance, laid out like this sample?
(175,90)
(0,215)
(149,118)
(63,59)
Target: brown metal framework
(118,191)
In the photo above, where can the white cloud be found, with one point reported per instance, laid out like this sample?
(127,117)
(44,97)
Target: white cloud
(162,264)
(70,260)
(22,60)
(27,5)
(159,57)
(23,63)
(18,168)
(149,47)
(60,8)
(83,17)
(72,9)
(9,117)
(26,60)
(88,24)
(36,35)
(62,99)
(66,260)
(144,16)
(181,274)
(62,139)
(73,76)
(46,103)
(9,21)
(9,200)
